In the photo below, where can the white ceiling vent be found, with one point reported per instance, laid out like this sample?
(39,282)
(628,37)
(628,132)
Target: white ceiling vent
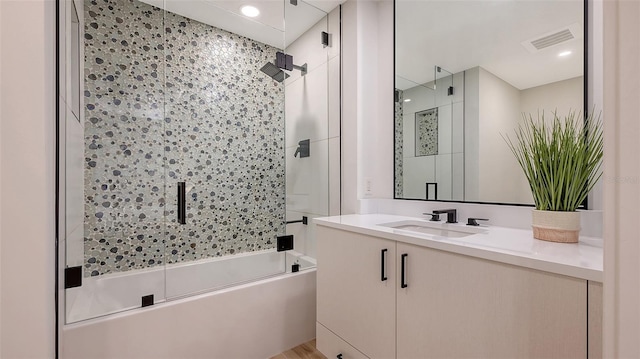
(553,38)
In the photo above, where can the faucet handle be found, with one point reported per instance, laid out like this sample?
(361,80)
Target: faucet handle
(473,221)
(435,217)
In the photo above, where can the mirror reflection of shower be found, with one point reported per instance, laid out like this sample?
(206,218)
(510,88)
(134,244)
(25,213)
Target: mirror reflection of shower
(428,120)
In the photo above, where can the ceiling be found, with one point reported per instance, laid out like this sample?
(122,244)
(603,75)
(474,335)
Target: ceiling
(278,25)
(459,35)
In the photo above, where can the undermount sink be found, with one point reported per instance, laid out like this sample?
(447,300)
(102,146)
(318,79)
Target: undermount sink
(442,230)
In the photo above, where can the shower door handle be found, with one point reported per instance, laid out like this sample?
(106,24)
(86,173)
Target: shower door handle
(182,202)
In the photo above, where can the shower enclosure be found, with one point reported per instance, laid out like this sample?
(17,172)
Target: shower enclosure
(180,168)
(429,126)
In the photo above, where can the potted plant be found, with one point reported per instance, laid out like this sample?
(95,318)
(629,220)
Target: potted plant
(562,164)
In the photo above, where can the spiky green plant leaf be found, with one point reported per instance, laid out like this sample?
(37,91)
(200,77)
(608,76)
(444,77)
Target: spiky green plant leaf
(562,161)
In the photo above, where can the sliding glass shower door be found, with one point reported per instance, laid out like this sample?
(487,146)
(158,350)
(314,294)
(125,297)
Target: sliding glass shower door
(224,143)
(115,159)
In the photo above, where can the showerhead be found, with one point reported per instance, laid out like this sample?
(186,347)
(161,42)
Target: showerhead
(274,72)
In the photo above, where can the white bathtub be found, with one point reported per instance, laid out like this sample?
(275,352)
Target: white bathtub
(112,293)
(254,320)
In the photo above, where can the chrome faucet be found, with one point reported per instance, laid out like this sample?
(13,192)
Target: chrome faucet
(452,214)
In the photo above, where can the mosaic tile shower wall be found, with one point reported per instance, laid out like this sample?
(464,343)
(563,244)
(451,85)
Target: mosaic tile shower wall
(217,123)
(398,143)
(427,132)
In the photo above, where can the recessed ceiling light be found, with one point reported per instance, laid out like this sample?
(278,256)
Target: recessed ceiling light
(407,100)
(564,53)
(250,11)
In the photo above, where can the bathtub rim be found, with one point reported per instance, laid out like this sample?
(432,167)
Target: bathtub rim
(188,298)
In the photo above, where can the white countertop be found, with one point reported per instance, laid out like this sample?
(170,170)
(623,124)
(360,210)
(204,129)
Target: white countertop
(507,245)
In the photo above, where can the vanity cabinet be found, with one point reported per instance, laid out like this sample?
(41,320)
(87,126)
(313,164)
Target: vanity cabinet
(452,306)
(356,296)
(456,306)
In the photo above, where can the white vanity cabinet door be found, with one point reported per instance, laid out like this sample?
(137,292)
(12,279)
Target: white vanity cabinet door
(456,306)
(353,301)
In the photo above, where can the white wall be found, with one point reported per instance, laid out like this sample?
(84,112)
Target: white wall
(382,170)
(562,96)
(367,113)
(621,183)
(494,108)
(368,116)
(312,111)
(27,31)
(472,133)
(349,127)
(500,178)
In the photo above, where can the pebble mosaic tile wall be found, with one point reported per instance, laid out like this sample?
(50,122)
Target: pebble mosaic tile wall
(170,99)
(427,132)
(398,143)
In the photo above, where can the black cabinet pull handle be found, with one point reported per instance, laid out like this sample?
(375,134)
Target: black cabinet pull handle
(182,202)
(339,356)
(402,269)
(383,277)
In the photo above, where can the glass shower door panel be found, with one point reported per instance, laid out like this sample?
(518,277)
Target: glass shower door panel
(444,174)
(417,121)
(308,135)
(121,257)
(225,142)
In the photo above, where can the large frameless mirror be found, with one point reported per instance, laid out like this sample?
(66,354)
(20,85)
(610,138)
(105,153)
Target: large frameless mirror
(465,72)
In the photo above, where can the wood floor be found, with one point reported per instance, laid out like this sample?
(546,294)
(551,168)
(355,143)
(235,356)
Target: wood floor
(302,351)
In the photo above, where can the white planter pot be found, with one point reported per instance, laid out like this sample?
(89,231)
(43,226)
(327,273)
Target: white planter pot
(554,226)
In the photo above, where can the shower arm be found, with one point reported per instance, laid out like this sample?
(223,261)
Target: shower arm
(303,68)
